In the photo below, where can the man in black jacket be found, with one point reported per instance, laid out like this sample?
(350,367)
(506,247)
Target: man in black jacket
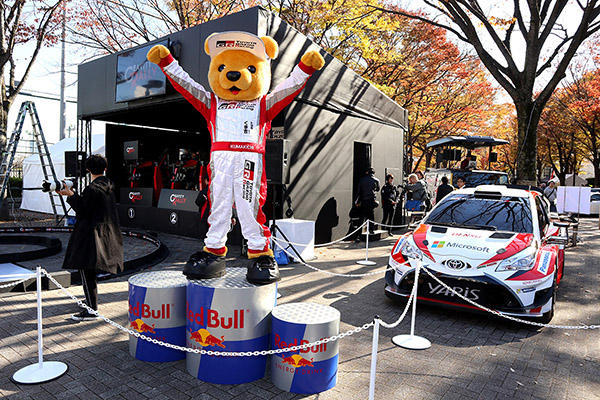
(368,186)
(443,190)
(96,243)
(389,198)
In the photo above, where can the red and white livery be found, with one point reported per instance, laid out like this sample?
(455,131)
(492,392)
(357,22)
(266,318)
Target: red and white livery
(495,245)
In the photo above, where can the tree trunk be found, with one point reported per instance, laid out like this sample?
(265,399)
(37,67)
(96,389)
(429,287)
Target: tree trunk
(528,117)
(4,125)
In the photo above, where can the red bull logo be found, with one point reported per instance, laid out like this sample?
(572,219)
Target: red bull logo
(314,349)
(145,311)
(211,318)
(140,326)
(297,361)
(205,338)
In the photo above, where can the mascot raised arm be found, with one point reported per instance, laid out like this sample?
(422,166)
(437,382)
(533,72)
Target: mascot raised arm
(238,113)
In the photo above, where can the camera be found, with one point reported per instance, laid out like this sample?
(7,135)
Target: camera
(48,186)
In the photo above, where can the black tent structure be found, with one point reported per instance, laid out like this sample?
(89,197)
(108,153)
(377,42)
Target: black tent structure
(337,127)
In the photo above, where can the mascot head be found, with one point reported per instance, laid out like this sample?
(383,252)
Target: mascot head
(240,67)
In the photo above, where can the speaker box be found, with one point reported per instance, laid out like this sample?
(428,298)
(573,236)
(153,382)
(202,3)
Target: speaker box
(277,161)
(493,157)
(74,164)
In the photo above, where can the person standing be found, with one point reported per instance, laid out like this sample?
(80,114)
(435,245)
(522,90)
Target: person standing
(443,190)
(96,243)
(416,189)
(368,186)
(550,193)
(460,183)
(389,198)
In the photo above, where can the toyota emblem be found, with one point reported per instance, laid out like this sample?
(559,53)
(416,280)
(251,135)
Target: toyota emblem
(456,264)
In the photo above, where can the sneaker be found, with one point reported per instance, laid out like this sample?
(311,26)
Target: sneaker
(204,265)
(84,316)
(263,271)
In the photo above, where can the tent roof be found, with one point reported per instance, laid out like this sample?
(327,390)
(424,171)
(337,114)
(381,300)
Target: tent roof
(468,142)
(57,150)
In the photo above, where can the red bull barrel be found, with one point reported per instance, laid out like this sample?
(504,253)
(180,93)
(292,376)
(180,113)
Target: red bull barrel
(311,370)
(228,314)
(157,310)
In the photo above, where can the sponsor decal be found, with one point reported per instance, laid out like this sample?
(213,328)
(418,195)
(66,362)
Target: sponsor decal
(238,105)
(204,338)
(544,262)
(235,43)
(437,244)
(471,294)
(135,196)
(140,326)
(462,234)
(526,290)
(129,149)
(280,344)
(296,361)
(248,180)
(248,126)
(398,246)
(212,319)
(465,246)
(177,198)
(144,310)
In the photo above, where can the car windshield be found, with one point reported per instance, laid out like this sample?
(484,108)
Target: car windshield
(511,214)
(474,179)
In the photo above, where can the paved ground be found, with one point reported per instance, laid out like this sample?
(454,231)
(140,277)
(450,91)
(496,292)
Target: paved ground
(472,357)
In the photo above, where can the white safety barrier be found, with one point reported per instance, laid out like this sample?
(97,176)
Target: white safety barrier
(15,283)
(366,261)
(389,226)
(328,243)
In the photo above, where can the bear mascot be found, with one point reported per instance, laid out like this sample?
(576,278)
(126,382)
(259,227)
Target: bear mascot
(238,113)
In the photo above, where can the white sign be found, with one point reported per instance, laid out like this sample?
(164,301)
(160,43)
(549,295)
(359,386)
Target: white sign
(573,199)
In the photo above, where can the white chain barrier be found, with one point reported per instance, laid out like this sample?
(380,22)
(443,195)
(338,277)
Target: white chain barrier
(325,244)
(276,240)
(15,283)
(498,313)
(411,298)
(389,226)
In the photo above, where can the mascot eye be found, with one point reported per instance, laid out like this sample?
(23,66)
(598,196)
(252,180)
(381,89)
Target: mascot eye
(252,69)
(221,67)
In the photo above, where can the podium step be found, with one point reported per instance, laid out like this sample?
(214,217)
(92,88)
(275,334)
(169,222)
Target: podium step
(378,234)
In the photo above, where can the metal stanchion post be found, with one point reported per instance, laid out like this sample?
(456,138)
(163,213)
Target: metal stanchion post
(41,371)
(411,341)
(374,359)
(366,261)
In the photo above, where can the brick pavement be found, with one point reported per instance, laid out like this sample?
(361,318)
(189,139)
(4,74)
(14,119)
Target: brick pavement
(472,356)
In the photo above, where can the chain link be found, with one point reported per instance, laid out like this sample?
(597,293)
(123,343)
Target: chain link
(498,313)
(201,351)
(388,226)
(333,273)
(15,283)
(411,298)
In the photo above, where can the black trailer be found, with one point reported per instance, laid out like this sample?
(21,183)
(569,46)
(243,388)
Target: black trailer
(338,126)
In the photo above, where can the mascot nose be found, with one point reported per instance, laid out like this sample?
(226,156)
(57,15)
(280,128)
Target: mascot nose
(234,75)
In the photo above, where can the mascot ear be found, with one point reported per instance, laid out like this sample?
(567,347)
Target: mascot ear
(271,46)
(206,45)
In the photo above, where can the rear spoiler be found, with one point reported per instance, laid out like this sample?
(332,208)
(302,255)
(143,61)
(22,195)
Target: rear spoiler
(526,187)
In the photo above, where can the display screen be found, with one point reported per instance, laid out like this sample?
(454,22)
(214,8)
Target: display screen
(138,78)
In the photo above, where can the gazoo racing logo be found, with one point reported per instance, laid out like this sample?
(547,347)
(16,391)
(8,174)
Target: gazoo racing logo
(177,198)
(248,180)
(296,360)
(129,149)
(135,196)
(236,43)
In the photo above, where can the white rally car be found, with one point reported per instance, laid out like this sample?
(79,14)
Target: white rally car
(493,244)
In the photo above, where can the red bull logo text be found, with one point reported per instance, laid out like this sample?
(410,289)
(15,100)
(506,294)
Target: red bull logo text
(205,338)
(212,319)
(314,349)
(145,311)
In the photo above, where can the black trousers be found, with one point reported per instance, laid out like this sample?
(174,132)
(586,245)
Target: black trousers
(89,281)
(388,217)
(368,213)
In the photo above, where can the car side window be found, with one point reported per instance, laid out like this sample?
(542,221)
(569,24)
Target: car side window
(542,215)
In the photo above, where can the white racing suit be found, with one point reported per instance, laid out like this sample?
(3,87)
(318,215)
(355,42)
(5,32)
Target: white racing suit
(238,131)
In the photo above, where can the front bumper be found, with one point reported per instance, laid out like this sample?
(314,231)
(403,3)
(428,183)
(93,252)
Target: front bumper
(481,290)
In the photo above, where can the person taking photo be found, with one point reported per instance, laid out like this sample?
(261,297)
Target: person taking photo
(96,243)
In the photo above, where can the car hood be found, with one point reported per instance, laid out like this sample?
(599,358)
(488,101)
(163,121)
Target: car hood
(477,247)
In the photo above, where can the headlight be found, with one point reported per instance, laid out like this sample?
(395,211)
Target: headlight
(522,261)
(410,251)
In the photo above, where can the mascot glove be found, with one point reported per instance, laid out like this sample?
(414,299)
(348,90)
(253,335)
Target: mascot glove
(311,59)
(157,53)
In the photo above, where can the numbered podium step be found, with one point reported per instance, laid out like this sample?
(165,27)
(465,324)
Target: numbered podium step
(228,314)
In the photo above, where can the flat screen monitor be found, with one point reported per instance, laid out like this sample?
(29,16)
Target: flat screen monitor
(138,78)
